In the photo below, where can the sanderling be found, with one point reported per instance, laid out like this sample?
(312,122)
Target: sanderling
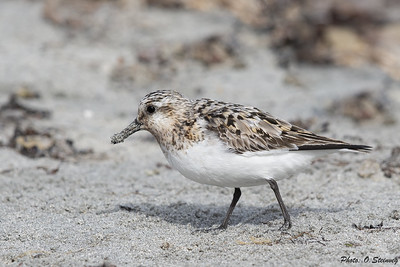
(229,145)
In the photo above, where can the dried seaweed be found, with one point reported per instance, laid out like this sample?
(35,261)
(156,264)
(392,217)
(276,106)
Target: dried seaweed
(14,110)
(34,144)
(391,165)
(28,140)
(364,106)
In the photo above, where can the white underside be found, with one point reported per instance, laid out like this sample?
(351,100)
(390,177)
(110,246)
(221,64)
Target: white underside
(210,162)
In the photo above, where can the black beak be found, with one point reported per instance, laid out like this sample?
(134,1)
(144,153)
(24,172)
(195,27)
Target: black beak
(125,133)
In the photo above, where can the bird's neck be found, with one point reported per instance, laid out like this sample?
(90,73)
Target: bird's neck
(181,135)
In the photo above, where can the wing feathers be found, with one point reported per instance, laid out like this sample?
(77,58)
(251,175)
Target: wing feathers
(248,129)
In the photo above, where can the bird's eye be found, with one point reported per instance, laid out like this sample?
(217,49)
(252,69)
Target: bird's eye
(150,109)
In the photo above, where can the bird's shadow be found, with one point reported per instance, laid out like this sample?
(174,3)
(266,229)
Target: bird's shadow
(204,216)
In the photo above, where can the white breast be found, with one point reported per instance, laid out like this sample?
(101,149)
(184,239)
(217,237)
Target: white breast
(210,162)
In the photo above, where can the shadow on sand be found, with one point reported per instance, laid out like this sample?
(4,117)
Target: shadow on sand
(205,216)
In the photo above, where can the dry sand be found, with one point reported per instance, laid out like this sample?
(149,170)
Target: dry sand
(122,205)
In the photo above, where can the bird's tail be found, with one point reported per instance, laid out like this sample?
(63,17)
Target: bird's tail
(360,148)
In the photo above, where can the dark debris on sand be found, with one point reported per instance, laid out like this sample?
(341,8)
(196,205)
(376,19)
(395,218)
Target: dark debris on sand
(364,106)
(26,138)
(33,143)
(391,165)
(341,32)
(160,63)
(15,110)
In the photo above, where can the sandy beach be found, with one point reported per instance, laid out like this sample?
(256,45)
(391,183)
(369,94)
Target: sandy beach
(72,74)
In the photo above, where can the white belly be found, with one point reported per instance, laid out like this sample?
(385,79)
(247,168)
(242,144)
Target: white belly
(209,162)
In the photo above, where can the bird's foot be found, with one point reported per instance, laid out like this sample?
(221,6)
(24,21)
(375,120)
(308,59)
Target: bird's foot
(287,224)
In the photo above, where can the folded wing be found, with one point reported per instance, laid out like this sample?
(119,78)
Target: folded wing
(248,129)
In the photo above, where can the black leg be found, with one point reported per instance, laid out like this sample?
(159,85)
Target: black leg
(286,223)
(236,196)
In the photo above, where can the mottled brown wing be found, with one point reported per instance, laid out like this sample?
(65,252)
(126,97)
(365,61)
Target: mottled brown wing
(248,129)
